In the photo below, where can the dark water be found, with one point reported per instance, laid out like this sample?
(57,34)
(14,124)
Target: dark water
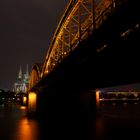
(110,122)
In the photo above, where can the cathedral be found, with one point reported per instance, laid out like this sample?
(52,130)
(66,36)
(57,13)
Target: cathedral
(21,84)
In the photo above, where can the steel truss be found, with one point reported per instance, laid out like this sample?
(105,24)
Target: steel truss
(80,19)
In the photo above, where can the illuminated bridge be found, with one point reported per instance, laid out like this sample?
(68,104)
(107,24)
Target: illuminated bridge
(95,45)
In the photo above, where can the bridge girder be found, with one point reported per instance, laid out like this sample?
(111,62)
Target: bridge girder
(80,19)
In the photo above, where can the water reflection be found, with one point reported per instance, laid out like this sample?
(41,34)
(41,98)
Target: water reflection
(15,125)
(99,127)
(26,130)
(119,121)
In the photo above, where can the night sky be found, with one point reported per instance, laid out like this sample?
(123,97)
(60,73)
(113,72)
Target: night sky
(26,29)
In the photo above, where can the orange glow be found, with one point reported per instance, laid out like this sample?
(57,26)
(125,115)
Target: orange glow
(26,130)
(23,108)
(24,100)
(97,98)
(32,102)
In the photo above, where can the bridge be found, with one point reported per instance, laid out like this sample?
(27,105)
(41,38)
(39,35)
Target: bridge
(95,45)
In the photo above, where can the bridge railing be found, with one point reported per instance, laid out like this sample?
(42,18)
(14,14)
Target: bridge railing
(80,19)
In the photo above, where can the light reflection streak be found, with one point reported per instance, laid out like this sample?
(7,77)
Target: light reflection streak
(26,130)
(100,130)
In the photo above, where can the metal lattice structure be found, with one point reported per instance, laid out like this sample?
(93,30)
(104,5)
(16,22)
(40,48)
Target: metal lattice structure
(35,75)
(80,19)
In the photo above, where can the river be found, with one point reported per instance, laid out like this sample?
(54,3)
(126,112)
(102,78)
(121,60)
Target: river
(112,121)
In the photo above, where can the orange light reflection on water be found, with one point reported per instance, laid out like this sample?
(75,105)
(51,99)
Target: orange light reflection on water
(26,130)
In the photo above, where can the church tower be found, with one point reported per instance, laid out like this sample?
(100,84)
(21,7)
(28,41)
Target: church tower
(22,82)
(26,75)
(20,74)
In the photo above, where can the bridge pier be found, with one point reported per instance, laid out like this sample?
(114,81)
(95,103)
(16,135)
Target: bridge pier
(32,102)
(64,104)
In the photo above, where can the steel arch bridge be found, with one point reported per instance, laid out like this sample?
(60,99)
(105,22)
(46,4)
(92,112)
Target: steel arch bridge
(79,23)
(79,20)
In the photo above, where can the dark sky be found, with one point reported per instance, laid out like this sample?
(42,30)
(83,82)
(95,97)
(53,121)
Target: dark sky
(26,29)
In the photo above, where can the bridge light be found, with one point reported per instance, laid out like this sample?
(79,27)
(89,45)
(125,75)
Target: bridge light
(126,33)
(137,26)
(47,71)
(114,4)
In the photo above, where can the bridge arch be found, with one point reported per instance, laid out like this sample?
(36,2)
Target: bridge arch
(35,75)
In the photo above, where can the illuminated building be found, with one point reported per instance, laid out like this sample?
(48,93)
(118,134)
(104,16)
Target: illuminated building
(22,82)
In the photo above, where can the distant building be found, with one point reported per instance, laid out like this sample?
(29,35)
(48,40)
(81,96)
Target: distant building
(21,84)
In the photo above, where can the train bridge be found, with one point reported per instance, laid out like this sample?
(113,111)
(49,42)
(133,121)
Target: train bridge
(96,45)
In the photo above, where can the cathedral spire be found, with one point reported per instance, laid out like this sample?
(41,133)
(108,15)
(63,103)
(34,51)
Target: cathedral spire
(26,75)
(20,73)
(27,70)
(21,85)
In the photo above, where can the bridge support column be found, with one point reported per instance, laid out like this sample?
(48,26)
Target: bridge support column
(32,102)
(24,100)
(97,99)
